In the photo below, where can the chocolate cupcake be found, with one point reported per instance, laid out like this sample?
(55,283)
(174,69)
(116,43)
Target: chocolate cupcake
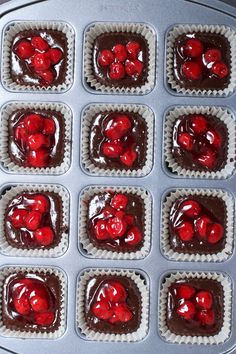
(34,221)
(112,305)
(117,140)
(200,60)
(35,137)
(33,302)
(115,222)
(197,225)
(119,58)
(195,308)
(38,56)
(199,141)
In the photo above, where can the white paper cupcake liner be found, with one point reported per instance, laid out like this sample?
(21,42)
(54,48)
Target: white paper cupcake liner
(90,334)
(225,116)
(229,229)
(99,28)
(5,159)
(7,332)
(225,331)
(175,32)
(55,251)
(88,115)
(96,252)
(12,30)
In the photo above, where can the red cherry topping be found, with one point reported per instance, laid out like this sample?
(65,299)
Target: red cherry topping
(212,56)
(114,319)
(117,71)
(108,211)
(186,310)
(117,128)
(24,49)
(128,157)
(193,48)
(17,218)
(22,305)
(33,123)
(215,233)
(33,220)
(116,292)
(102,310)
(39,299)
(49,126)
(55,55)
(120,52)
(123,312)
(199,124)
(129,219)
(38,158)
(44,318)
(185,141)
(36,141)
(116,227)
(206,317)
(119,201)
(133,67)
(39,43)
(207,159)
(185,231)
(20,134)
(44,235)
(204,299)
(220,69)
(185,291)
(201,226)
(40,203)
(134,236)
(100,230)
(106,57)
(192,70)
(214,138)
(191,208)
(112,149)
(41,61)
(133,49)
(47,76)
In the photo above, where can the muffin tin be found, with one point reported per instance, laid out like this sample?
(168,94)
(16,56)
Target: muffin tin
(161,16)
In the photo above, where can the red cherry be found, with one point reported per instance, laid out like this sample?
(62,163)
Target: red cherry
(185,291)
(207,159)
(38,300)
(120,214)
(116,227)
(129,219)
(44,318)
(201,226)
(33,220)
(114,319)
(108,211)
(215,233)
(191,208)
(199,124)
(17,218)
(36,141)
(120,52)
(55,55)
(47,76)
(40,203)
(220,69)
(119,201)
(192,70)
(193,48)
(38,158)
(204,299)
(24,49)
(128,157)
(117,128)
(185,141)
(117,71)
(21,287)
(123,312)
(133,49)
(20,134)
(186,310)
(33,123)
(206,317)
(185,231)
(212,56)
(100,230)
(41,61)
(39,43)
(133,237)
(115,292)
(22,305)
(133,67)
(49,126)
(102,310)
(106,57)
(44,235)
(112,149)
(214,138)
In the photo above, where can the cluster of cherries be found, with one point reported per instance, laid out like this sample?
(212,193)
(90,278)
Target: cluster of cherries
(195,223)
(199,139)
(32,300)
(31,220)
(35,137)
(122,61)
(195,305)
(119,143)
(40,57)
(199,63)
(114,224)
(110,303)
